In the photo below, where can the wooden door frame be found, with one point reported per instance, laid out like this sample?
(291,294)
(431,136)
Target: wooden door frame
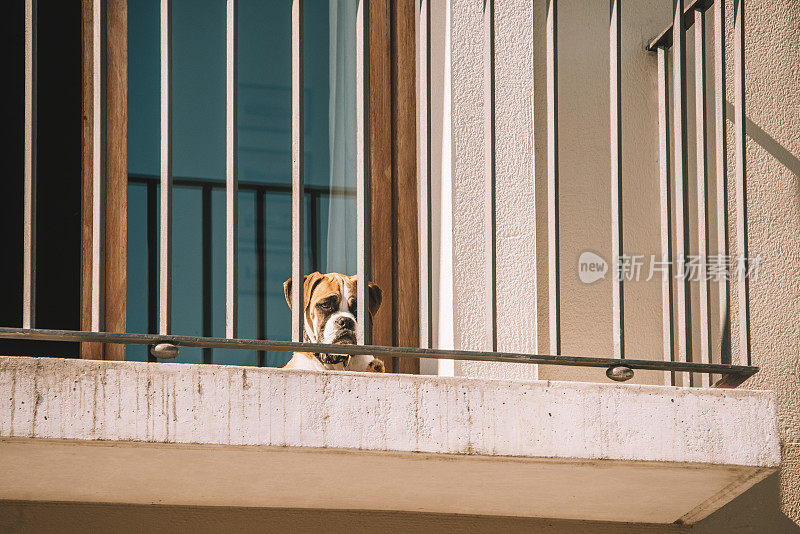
(393,152)
(115,177)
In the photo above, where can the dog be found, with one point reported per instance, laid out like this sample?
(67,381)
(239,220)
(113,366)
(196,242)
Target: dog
(330,317)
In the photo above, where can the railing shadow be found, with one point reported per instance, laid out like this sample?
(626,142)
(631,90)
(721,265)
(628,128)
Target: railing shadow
(774,148)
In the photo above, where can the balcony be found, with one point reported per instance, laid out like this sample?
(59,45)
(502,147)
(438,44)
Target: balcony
(120,432)
(184,434)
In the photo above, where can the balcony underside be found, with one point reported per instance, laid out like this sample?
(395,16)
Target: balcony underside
(130,432)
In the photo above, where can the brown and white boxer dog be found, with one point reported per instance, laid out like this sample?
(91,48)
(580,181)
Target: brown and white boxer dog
(330,317)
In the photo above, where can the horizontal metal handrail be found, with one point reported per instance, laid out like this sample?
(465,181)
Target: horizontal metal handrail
(664,39)
(269,187)
(733,375)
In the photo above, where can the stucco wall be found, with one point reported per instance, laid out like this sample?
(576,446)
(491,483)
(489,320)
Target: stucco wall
(773,158)
(464,242)
(772,36)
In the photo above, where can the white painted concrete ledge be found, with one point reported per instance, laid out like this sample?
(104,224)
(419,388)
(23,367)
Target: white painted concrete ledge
(695,448)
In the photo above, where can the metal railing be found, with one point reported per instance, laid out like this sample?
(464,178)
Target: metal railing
(675,40)
(619,367)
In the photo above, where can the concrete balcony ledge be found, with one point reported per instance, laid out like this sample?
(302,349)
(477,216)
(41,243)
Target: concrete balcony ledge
(182,434)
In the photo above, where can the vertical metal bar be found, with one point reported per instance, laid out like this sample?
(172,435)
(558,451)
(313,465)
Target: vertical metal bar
(261,276)
(363,177)
(165,269)
(298,173)
(313,222)
(702,187)
(681,184)
(722,175)
(207,269)
(615,104)
(152,261)
(231,176)
(665,211)
(554,289)
(489,169)
(424,172)
(742,282)
(29,194)
(98,164)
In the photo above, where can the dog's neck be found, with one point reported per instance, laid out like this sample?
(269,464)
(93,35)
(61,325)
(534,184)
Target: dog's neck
(331,362)
(323,357)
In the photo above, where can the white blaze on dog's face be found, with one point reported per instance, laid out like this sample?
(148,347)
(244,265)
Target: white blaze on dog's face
(330,306)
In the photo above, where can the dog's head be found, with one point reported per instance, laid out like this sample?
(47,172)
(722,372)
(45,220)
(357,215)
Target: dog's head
(330,306)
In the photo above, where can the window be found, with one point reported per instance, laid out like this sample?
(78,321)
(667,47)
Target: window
(107,280)
(265,172)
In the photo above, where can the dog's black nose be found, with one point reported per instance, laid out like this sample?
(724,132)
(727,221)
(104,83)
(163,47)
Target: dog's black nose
(345,323)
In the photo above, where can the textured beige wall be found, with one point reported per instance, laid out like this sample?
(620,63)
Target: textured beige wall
(773,175)
(772,35)
(515,192)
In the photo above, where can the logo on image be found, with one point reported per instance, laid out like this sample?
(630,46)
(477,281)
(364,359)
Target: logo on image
(591,267)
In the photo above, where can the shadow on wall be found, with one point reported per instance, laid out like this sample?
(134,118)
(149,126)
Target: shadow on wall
(784,157)
(757,510)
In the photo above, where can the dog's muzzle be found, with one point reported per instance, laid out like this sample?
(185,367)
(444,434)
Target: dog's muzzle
(343,337)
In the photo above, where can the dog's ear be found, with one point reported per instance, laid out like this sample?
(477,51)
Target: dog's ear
(375,298)
(309,283)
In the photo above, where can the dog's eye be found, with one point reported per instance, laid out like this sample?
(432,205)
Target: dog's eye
(326,306)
